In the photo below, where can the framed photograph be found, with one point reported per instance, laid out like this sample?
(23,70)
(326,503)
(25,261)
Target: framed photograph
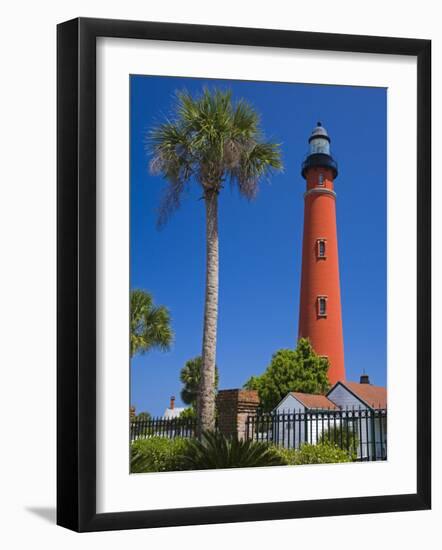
(243,274)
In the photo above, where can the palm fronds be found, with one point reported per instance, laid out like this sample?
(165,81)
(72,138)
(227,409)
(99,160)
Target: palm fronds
(210,138)
(215,451)
(149,324)
(190,376)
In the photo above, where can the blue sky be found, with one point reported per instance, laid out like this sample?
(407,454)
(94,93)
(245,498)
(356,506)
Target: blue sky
(260,241)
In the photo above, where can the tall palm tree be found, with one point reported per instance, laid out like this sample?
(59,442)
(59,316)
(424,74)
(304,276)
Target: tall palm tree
(210,140)
(149,325)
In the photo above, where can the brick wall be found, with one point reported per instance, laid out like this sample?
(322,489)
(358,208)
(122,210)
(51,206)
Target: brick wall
(234,406)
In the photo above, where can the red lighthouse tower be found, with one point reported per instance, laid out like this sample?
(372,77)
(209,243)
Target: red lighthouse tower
(320,317)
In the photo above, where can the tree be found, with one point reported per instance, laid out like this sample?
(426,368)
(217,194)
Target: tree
(190,376)
(189,413)
(149,325)
(143,417)
(291,370)
(210,140)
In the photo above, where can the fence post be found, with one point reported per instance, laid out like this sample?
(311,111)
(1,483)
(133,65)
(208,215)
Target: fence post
(234,407)
(373,434)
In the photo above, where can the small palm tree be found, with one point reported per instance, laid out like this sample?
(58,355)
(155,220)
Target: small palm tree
(210,140)
(190,378)
(149,325)
(215,450)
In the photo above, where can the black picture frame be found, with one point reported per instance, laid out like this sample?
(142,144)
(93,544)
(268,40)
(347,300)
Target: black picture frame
(76,274)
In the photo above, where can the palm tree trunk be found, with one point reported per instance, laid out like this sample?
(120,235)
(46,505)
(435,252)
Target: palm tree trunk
(206,394)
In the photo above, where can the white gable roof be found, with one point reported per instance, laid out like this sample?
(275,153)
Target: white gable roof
(348,394)
(309,401)
(289,402)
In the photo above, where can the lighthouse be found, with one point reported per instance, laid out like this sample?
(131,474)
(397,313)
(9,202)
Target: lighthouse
(320,318)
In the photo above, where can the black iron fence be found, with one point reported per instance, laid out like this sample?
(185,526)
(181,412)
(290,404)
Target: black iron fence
(162,427)
(362,432)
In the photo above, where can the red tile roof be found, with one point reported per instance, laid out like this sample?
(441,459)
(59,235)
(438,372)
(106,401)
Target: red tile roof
(312,401)
(373,396)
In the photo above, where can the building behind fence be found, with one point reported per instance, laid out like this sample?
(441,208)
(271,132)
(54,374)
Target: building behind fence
(363,432)
(162,427)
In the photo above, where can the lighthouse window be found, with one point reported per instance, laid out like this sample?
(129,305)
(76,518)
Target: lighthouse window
(321,179)
(320,243)
(322,306)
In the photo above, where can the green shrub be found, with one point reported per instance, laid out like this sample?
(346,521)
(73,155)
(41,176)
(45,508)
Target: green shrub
(188,414)
(216,451)
(157,454)
(343,437)
(323,453)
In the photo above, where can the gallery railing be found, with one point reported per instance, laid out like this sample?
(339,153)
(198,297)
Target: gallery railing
(162,427)
(362,432)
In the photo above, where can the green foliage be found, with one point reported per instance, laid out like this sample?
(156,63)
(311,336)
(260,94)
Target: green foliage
(142,416)
(291,370)
(215,451)
(188,414)
(157,454)
(149,325)
(190,377)
(209,138)
(344,437)
(322,453)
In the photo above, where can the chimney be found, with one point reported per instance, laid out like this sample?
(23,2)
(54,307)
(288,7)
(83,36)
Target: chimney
(364,379)
(172,402)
